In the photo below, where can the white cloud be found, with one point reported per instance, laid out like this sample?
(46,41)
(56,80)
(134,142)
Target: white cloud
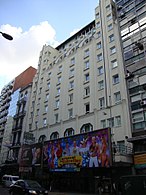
(23,51)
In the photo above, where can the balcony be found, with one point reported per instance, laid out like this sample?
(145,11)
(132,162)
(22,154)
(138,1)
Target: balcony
(122,154)
(22,100)
(16,145)
(20,114)
(17,128)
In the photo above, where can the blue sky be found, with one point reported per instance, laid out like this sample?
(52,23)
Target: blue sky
(33,23)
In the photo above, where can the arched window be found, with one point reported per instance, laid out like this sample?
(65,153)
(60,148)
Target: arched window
(86,128)
(69,132)
(54,135)
(42,138)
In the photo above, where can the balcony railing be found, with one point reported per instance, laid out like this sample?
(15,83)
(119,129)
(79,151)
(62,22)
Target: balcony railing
(122,154)
(123,150)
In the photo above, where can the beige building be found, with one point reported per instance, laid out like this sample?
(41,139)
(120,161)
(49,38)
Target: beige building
(80,85)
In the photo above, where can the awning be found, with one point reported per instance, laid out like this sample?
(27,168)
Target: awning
(137,138)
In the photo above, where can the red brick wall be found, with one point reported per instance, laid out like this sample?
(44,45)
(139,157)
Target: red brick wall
(25,78)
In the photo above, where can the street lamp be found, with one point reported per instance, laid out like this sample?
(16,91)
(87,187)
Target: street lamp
(6,36)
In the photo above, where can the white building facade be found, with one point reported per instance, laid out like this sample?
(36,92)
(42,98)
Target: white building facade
(80,85)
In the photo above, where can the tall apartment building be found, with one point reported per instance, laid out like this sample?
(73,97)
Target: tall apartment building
(80,86)
(132,21)
(10,122)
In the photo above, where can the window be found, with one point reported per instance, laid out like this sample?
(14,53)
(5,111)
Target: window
(140,125)
(116,79)
(71,84)
(97,16)
(87,77)
(71,72)
(87,64)
(40,90)
(103,123)
(37,112)
(31,115)
(86,53)
(41,80)
(36,124)
(109,17)
(113,50)
(117,96)
(87,108)
(54,135)
(58,91)
(114,63)
(70,113)
(118,120)
(135,98)
(60,69)
(26,94)
(39,99)
(138,117)
(56,118)
(49,75)
(70,98)
(97,24)
(121,146)
(99,45)
(47,97)
(42,139)
(44,122)
(30,126)
(87,91)
(100,70)
(46,108)
(86,128)
(110,27)
(59,80)
(111,38)
(108,7)
(99,57)
(101,85)
(98,34)
(72,61)
(48,85)
(101,103)
(69,132)
(110,122)
(57,104)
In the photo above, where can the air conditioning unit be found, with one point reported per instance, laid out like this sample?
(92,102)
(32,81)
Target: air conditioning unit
(139,45)
(129,75)
(119,7)
(143,103)
(122,14)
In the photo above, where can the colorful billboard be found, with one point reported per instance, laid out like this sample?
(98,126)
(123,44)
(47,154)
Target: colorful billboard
(30,155)
(92,149)
(140,161)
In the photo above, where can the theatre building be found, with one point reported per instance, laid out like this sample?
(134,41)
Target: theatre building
(80,89)
(78,113)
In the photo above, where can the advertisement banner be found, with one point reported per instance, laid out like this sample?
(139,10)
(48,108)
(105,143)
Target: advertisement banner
(140,161)
(30,155)
(92,149)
